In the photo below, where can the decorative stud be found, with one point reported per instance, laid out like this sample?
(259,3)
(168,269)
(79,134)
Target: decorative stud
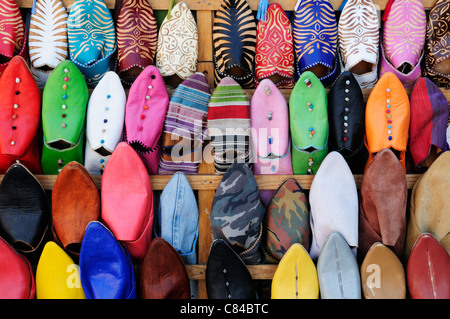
(310,106)
(346,118)
(108,96)
(13,143)
(16,106)
(267,90)
(66,70)
(142,116)
(64,106)
(64,87)
(270,139)
(388,90)
(269,116)
(105,121)
(347,82)
(145,107)
(150,87)
(64,125)
(64,97)
(308,82)
(15,116)
(346,109)
(390,138)
(17,80)
(66,78)
(347,90)
(148,97)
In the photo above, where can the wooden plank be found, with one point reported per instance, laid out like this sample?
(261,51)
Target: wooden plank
(209,182)
(205,200)
(258,272)
(211,5)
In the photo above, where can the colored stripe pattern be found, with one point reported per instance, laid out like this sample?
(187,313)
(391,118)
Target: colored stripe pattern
(437,40)
(234,41)
(48,34)
(229,124)
(186,117)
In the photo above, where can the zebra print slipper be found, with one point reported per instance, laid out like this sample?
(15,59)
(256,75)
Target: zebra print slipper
(234,42)
(48,38)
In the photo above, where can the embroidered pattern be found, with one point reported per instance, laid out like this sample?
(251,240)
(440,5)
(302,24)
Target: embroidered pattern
(177,48)
(438,38)
(136,35)
(359,38)
(48,34)
(275,48)
(12,32)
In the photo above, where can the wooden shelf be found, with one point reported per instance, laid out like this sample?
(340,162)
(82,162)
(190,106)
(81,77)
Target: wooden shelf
(210,182)
(258,272)
(211,5)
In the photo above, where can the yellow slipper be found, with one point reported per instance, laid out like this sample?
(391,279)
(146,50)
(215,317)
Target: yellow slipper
(57,275)
(296,276)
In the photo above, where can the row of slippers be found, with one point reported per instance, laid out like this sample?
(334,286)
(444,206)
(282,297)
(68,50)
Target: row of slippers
(270,46)
(124,223)
(171,134)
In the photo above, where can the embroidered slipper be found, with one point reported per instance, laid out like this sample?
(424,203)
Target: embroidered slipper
(229,125)
(14,34)
(359,40)
(92,38)
(234,43)
(403,40)
(274,57)
(308,114)
(20,115)
(315,33)
(47,41)
(177,48)
(136,39)
(437,54)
